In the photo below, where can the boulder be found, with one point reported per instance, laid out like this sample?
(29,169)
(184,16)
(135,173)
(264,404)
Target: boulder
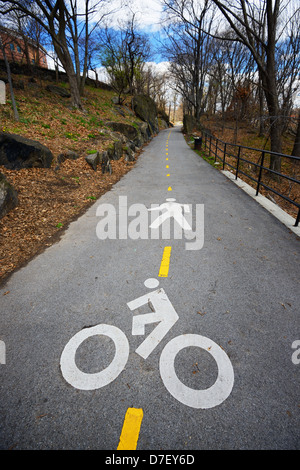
(163,124)
(8,196)
(18,152)
(116,151)
(93,159)
(132,133)
(145,131)
(57,90)
(69,154)
(129,155)
(145,108)
(105,163)
(162,115)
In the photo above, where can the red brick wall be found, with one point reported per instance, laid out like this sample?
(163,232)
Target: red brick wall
(15,51)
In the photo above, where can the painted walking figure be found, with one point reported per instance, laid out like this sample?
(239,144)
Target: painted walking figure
(173,209)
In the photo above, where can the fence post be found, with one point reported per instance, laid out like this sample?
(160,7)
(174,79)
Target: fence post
(216,150)
(209,145)
(298,219)
(238,163)
(224,155)
(260,171)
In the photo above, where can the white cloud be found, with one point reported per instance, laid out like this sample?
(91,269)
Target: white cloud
(148,12)
(159,67)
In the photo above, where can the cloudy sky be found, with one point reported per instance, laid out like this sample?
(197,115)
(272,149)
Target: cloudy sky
(148,12)
(148,15)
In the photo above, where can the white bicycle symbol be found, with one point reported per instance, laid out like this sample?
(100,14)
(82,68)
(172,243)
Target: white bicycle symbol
(165,315)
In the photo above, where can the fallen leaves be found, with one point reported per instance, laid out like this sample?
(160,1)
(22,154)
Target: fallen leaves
(201,313)
(48,201)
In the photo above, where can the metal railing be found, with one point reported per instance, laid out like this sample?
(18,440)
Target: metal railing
(228,154)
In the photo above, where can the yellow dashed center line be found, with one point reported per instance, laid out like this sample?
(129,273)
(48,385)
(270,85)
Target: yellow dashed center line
(165,262)
(131,429)
(134,416)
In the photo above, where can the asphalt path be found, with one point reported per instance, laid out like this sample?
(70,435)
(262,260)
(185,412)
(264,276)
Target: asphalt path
(223,374)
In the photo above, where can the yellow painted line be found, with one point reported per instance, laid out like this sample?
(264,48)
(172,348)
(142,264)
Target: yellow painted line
(165,262)
(168,174)
(167,166)
(131,429)
(167,158)
(169,188)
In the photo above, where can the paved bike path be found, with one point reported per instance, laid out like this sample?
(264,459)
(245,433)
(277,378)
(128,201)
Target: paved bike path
(241,290)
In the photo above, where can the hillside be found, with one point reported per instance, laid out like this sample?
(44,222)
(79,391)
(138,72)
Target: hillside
(49,199)
(247,135)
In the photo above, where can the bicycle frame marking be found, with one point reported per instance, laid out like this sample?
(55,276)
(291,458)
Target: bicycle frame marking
(163,312)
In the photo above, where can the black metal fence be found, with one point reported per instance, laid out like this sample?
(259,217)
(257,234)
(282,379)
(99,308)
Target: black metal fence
(236,157)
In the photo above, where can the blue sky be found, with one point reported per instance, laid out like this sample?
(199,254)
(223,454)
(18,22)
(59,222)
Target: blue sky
(148,15)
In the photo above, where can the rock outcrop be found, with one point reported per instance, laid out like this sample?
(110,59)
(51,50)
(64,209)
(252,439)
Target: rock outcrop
(57,90)
(8,196)
(18,152)
(131,132)
(145,108)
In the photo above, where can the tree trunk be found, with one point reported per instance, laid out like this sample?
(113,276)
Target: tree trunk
(16,114)
(261,110)
(270,89)
(66,61)
(296,148)
(74,90)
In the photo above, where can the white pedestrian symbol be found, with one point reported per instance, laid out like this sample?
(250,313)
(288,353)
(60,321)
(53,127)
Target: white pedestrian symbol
(173,209)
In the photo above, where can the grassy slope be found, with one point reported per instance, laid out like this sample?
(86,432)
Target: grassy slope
(49,199)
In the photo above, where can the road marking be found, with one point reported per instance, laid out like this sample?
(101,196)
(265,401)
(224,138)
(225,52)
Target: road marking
(207,398)
(163,315)
(85,381)
(131,429)
(169,188)
(168,174)
(165,262)
(2,353)
(167,166)
(151,283)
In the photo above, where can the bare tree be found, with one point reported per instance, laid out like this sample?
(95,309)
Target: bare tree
(65,25)
(123,53)
(249,20)
(15,110)
(189,49)
(296,147)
